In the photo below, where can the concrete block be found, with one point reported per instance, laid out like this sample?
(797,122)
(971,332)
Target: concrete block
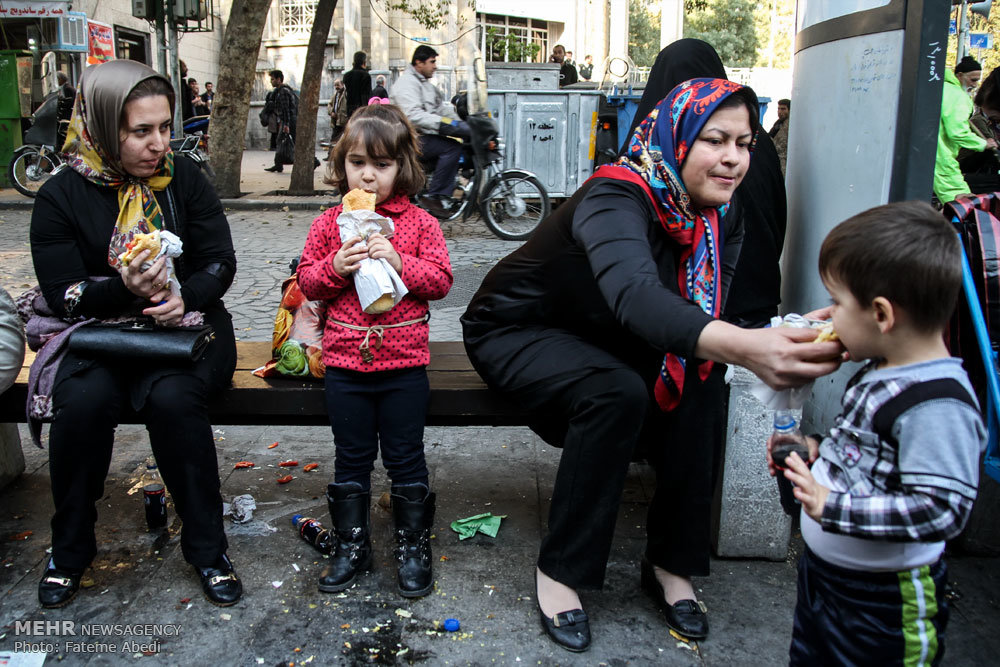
(748,521)
(11,456)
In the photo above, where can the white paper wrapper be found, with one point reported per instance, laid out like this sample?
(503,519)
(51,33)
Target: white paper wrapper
(374,279)
(786,399)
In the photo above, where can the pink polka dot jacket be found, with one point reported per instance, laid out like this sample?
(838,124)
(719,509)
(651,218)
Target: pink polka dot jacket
(426,274)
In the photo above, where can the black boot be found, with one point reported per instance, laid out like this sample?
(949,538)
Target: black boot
(413,513)
(352,552)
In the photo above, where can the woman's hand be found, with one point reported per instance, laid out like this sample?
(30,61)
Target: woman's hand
(380,248)
(168,312)
(149,284)
(823,313)
(345,262)
(783,357)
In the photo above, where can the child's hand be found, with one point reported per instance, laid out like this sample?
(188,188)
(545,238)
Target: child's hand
(380,248)
(345,262)
(807,490)
(773,470)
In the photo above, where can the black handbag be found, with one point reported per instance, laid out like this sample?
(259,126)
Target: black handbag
(285,153)
(141,340)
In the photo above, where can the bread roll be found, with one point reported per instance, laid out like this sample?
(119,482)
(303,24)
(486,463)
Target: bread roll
(359,200)
(140,242)
(383,304)
(826,334)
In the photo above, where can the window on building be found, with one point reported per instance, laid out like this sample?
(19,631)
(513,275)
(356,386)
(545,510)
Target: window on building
(512,38)
(295,17)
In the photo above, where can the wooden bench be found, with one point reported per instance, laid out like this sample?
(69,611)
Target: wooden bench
(459,397)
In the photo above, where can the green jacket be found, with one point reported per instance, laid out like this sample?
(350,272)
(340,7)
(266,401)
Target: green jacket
(955,133)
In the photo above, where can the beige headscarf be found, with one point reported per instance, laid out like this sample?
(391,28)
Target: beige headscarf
(92,148)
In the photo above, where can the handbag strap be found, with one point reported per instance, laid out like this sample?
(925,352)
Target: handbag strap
(176,220)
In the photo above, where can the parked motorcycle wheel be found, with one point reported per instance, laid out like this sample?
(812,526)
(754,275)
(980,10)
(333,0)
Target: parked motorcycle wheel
(513,204)
(29,170)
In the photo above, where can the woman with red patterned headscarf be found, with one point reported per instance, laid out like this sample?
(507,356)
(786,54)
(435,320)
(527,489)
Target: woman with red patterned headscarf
(605,327)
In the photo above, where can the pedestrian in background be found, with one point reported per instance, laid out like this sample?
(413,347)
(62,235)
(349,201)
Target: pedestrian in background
(587,68)
(954,133)
(379,89)
(337,109)
(285,112)
(358,83)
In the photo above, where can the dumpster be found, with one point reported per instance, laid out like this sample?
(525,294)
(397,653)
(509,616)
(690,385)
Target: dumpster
(15,103)
(550,133)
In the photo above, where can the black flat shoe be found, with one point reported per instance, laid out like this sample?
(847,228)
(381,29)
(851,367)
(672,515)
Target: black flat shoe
(276,169)
(686,617)
(569,629)
(220,584)
(58,587)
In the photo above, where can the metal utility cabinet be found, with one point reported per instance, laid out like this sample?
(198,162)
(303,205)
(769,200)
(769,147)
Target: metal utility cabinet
(550,133)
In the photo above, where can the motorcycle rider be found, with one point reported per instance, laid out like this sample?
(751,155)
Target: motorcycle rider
(433,117)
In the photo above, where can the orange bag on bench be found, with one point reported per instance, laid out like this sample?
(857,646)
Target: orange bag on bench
(297,341)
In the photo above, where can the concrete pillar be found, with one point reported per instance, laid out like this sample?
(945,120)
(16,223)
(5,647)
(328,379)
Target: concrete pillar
(671,21)
(378,57)
(748,521)
(617,28)
(352,30)
(11,456)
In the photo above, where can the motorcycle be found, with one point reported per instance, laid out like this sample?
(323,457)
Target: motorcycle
(38,160)
(511,201)
(33,163)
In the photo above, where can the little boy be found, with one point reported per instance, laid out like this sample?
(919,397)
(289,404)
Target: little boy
(897,474)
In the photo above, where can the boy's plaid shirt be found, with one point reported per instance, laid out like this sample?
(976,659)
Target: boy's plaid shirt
(869,498)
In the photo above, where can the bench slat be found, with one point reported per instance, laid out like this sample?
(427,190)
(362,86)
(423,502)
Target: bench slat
(459,397)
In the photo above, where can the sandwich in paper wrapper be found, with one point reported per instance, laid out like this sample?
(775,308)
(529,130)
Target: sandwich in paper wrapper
(158,243)
(793,399)
(378,285)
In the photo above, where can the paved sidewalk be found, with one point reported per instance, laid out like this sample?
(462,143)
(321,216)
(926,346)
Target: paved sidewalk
(487,584)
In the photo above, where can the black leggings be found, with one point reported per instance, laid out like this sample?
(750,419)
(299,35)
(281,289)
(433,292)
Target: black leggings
(86,407)
(383,410)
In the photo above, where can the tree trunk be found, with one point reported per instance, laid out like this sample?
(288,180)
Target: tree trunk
(237,67)
(305,128)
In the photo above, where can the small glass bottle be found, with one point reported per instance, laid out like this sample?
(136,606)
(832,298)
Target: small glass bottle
(787,438)
(313,532)
(154,497)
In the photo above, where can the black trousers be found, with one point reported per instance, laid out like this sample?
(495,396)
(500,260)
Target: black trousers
(86,405)
(598,407)
(369,411)
(447,152)
(851,617)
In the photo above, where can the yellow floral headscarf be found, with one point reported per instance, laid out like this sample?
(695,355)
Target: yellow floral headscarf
(92,149)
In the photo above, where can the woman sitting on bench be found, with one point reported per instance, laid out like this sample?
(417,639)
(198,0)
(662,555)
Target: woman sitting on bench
(123,180)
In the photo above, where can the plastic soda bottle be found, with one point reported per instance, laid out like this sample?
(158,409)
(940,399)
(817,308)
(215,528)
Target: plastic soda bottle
(787,438)
(154,497)
(313,532)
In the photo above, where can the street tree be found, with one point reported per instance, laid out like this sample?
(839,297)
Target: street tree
(643,31)
(237,68)
(301,182)
(728,25)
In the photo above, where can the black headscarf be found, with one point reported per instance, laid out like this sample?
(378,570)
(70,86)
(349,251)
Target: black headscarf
(755,290)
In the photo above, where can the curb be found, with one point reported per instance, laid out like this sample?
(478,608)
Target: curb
(228,204)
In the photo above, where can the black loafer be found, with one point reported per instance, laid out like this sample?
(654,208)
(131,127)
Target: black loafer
(220,584)
(276,169)
(569,629)
(58,587)
(686,617)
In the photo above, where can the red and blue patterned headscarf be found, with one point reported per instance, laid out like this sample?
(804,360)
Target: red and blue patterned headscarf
(653,160)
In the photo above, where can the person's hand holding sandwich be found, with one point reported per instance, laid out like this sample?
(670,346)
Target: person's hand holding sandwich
(151,284)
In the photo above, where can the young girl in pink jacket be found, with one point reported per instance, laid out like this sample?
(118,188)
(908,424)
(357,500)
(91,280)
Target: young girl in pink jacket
(376,378)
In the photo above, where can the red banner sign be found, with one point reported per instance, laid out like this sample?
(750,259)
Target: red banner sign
(101,38)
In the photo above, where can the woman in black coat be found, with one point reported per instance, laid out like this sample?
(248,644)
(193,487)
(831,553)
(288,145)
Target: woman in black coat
(604,327)
(123,180)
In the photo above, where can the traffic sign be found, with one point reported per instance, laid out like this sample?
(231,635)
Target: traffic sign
(980,40)
(952,27)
